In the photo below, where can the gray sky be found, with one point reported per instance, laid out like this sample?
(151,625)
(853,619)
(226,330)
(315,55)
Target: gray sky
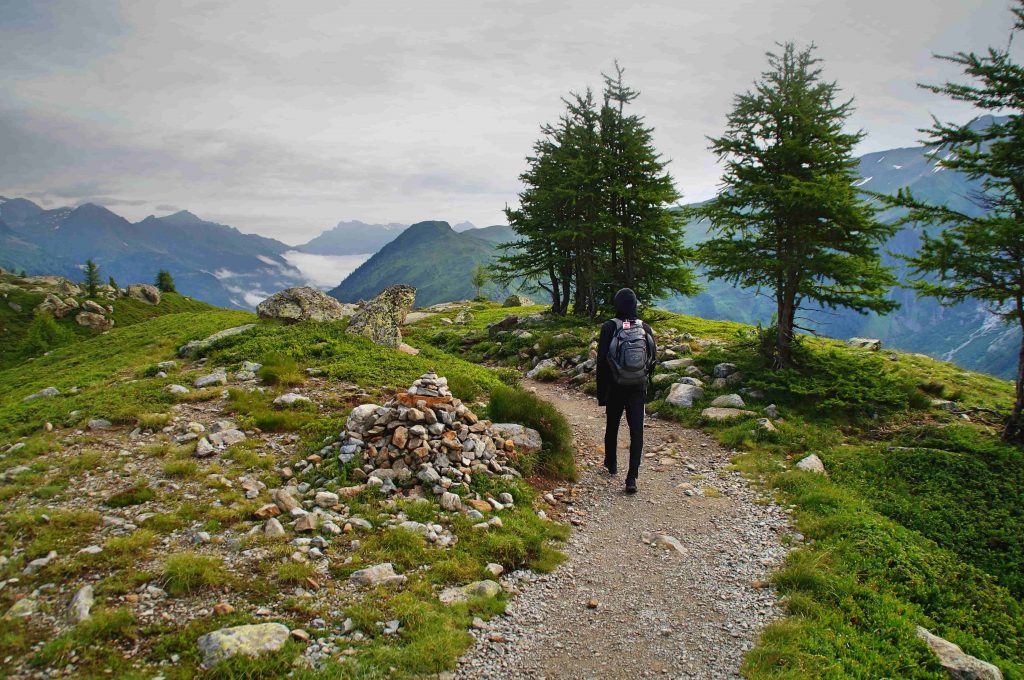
(283,118)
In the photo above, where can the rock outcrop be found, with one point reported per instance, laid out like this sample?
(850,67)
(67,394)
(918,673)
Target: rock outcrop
(95,321)
(381,318)
(517,300)
(303,304)
(195,347)
(144,292)
(870,344)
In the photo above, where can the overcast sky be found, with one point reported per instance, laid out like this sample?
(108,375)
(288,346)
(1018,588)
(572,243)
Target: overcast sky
(285,117)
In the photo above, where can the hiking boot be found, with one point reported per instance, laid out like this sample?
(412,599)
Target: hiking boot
(612,469)
(631,486)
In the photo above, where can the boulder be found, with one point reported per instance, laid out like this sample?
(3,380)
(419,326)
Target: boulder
(378,575)
(675,364)
(380,319)
(80,607)
(526,440)
(958,664)
(870,344)
(517,300)
(458,594)
(718,413)
(812,464)
(535,371)
(93,307)
(218,377)
(54,306)
(766,425)
(303,304)
(724,370)
(729,401)
(249,640)
(291,398)
(95,321)
(144,292)
(506,324)
(195,347)
(45,392)
(684,395)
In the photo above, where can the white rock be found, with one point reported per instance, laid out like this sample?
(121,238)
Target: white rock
(684,395)
(812,464)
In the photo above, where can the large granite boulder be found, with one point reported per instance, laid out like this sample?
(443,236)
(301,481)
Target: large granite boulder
(144,292)
(683,395)
(381,318)
(302,304)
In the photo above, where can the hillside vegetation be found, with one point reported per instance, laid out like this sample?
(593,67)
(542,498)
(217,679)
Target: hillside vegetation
(919,521)
(105,486)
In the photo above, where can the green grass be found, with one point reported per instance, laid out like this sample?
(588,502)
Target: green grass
(136,495)
(190,572)
(510,405)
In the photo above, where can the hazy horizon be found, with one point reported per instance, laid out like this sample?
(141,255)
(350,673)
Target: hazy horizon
(284,123)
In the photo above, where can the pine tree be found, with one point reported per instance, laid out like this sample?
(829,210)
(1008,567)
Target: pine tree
(480,278)
(165,282)
(788,218)
(595,212)
(980,257)
(92,277)
(112,282)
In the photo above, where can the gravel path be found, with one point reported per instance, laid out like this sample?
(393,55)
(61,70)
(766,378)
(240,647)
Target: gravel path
(622,607)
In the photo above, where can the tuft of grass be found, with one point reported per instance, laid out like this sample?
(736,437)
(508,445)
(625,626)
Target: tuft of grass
(281,369)
(135,495)
(549,374)
(181,469)
(189,572)
(153,421)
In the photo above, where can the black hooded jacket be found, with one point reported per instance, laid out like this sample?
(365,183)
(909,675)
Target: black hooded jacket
(625,309)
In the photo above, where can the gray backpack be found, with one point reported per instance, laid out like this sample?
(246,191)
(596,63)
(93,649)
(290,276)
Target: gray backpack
(629,353)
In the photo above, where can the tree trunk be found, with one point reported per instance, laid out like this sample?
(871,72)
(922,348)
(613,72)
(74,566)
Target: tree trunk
(556,301)
(566,290)
(1014,432)
(784,339)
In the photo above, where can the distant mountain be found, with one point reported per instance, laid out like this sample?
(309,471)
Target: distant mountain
(431,256)
(463,226)
(212,262)
(965,334)
(352,238)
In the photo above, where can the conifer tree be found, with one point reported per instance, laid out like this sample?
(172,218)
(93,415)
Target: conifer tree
(788,218)
(980,257)
(112,282)
(92,277)
(479,278)
(165,282)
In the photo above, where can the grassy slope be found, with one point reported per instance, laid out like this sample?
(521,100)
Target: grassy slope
(920,522)
(113,373)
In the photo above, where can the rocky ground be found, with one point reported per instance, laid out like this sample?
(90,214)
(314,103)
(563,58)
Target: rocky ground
(670,582)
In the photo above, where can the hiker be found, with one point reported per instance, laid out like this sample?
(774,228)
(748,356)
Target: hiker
(625,356)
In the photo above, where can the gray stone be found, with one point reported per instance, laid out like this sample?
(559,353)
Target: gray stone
(249,640)
(958,665)
(273,528)
(45,392)
(526,439)
(177,389)
(676,364)
(517,300)
(291,398)
(204,448)
(451,501)
(812,464)
(870,344)
(721,413)
(729,401)
(302,304)
(81,604)
(99,424)
(724,370)
(506,324)
(541,366)
(144,292)
(226,438)
(218,377)
(23,608)
(378,575)
(684,395)
(197,346)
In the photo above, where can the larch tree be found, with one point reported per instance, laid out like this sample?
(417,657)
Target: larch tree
(92,277)
(788,218)
(980,257)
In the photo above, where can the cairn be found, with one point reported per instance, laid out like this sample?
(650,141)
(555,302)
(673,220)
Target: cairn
(423,438)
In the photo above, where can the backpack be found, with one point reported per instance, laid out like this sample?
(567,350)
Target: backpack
(629,353)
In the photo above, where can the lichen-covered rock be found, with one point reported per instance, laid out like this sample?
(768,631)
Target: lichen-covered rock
(377,575)
(249,640)
(45,392)
(720,413)
(380,319)
(541,366)
(517,300)
(812,464)
(144,292)
(56,307)
(526,440)
(458,594)
(95,321)
(81,604)
(196,346)
(729,401)
(303,304)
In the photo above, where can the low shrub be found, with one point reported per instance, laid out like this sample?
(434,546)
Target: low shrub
(135,495)
(189,572)
(281,369)
(512,405)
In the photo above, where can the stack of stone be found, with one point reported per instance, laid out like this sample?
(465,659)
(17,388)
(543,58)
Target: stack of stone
(427,438)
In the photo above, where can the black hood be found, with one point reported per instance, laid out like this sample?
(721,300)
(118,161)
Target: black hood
(625,304)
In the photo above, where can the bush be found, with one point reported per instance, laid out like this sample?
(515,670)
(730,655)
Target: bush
(516,406)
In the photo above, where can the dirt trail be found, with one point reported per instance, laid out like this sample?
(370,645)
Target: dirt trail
(659,613)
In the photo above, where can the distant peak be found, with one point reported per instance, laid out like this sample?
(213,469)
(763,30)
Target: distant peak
(184,216)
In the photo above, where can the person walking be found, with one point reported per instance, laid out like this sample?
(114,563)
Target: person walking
(626,353)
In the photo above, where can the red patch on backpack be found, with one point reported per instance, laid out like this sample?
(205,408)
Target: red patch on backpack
(626,324)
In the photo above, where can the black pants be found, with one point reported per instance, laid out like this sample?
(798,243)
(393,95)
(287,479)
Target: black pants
(632,402)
